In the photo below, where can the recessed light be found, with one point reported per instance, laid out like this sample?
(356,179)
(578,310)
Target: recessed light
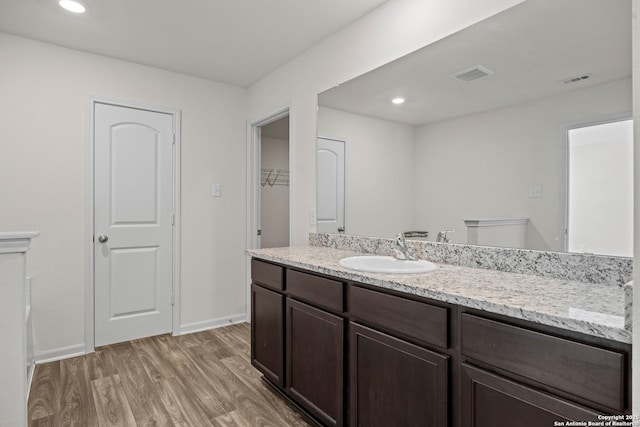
(73,6)
(398,100)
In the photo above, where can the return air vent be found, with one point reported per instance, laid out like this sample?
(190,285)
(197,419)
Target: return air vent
(473,73)
(576,79)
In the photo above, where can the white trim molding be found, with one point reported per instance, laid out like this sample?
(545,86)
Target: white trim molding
(253,184)
(506,232)
(60,353)
(206,325)
(16,242)
(493,222)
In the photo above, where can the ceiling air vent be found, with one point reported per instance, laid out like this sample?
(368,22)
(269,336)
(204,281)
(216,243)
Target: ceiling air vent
(473,73)
(576,79)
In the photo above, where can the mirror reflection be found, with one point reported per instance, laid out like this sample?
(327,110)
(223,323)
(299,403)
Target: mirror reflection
(470,135)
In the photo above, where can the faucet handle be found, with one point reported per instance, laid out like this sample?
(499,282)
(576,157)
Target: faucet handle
(442,235)
(404,250)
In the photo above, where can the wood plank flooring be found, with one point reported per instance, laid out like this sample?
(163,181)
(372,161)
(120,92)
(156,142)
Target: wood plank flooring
(201,379)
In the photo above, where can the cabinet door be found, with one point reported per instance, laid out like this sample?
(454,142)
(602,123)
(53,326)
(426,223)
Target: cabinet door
(315,362)
(395,383)
(267,331)
(489,400)
(592,373)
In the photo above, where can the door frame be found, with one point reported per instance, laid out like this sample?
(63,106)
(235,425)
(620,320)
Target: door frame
(92,100)
(253,183)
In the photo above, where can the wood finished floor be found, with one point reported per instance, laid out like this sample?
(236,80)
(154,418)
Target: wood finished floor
(200,379)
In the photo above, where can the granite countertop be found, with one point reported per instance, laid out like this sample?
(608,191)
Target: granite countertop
(594,309)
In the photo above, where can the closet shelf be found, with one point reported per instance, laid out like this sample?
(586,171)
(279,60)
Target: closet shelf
(274,177)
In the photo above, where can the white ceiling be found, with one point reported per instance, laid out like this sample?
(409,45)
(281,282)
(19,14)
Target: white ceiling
(530,47)
(229,41)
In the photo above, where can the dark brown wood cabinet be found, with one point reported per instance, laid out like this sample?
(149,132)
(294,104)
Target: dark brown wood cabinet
(298,338)
(359,355)
(417,320)
(393,382)
(315,361)
(267,344)
(320,292)
(490,400)
(586,371)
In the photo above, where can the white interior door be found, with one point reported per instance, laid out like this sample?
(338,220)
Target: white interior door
(331,183)
(133,215)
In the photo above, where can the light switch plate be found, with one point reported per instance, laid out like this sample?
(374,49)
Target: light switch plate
(216,190)
(535,191)
(312,217)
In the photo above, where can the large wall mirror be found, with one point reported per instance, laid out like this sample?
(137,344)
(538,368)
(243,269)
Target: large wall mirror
(481,142)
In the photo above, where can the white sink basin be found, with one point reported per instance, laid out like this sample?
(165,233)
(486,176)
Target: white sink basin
(386,264)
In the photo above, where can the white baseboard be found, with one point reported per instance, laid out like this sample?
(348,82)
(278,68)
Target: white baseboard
(30,371)
(205,325)
(80,349)
(60,353)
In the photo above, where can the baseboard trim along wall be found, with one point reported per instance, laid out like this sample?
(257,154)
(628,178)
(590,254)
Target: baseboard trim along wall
(190,328)
(60,353)
(80,349)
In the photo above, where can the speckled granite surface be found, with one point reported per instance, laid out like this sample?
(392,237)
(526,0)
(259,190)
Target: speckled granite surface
(590,308)
(557,265)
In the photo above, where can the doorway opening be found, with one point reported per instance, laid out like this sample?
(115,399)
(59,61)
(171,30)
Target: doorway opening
(600,189)
(271,134)
(274,183)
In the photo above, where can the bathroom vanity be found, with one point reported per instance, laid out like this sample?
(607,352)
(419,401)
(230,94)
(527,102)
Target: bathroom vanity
(457,346)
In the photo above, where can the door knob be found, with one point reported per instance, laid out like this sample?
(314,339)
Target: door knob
(340,229)
(103,238)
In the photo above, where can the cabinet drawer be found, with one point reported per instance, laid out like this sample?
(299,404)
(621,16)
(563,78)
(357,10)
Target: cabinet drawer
(413,319)
(316,290)
(592,373)
(269,275)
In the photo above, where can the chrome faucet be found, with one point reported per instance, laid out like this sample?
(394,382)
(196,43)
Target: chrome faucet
(402,244)
(442,235)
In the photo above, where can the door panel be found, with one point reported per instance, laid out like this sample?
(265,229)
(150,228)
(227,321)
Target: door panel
(132,288)
(394,382)
(267,333)
(134,153)
(314,360)
(133,209)
(331,186)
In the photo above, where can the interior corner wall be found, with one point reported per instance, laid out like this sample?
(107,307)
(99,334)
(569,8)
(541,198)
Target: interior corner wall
(392,30)
(379,178)
(496,155)
(43,106)
(636,207)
